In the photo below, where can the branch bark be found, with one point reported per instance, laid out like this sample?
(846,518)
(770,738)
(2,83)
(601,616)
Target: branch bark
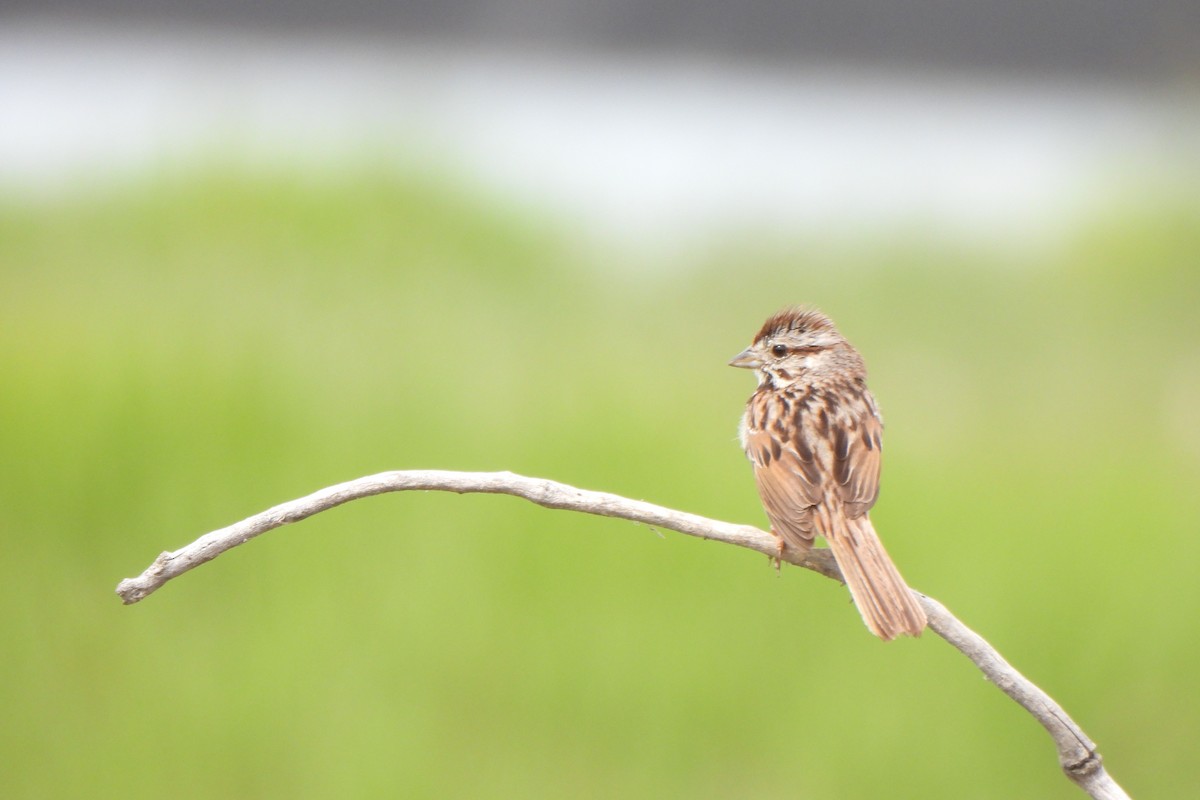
(1077,754)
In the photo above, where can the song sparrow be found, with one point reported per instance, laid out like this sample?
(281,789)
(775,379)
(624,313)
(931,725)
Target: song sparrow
(813,433)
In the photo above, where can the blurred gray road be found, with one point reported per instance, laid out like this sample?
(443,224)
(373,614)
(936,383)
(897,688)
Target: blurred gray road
(1113,39)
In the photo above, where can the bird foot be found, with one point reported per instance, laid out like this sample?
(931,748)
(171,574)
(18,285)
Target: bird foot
(777,559)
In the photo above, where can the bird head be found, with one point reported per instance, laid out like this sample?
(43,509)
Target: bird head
(794,345)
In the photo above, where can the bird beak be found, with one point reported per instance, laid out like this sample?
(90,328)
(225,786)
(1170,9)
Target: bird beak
(746,359)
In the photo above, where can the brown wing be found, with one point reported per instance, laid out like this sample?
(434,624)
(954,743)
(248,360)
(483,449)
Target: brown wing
(789,483)
(857,449)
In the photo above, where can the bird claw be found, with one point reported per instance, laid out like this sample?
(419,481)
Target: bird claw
(777,559)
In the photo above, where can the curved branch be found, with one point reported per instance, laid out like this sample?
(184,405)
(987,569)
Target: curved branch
(1077,753)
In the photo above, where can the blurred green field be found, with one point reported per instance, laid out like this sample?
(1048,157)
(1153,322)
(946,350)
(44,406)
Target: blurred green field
(187,350)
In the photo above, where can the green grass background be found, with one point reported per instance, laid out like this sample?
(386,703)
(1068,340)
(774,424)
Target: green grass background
(190,349)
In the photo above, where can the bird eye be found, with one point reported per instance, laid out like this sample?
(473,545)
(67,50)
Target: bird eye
(780,350)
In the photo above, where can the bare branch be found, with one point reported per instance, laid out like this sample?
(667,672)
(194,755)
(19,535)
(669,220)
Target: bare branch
(550,494)
(1077,753)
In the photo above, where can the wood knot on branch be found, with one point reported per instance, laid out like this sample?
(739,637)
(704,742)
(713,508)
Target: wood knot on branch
(1084,768)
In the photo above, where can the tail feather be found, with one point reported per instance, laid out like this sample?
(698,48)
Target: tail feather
(881,595)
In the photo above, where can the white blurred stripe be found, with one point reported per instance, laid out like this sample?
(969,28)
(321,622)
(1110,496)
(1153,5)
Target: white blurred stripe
(633,146)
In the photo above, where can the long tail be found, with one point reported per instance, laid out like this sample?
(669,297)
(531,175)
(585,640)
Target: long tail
(883,598)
